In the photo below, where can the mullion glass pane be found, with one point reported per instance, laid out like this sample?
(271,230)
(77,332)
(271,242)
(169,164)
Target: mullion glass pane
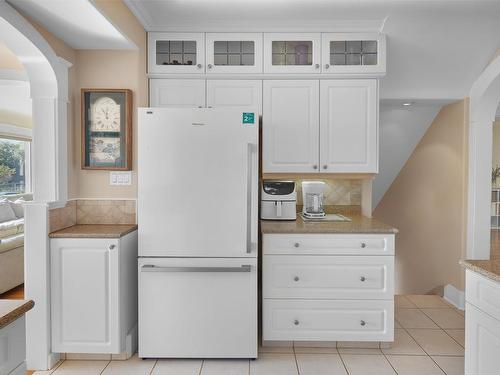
(292,52)
(234,53)
(176,52)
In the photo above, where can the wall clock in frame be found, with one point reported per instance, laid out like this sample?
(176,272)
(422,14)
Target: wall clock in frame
(107,129)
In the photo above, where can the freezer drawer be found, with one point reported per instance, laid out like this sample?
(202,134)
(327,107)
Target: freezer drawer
(197,307)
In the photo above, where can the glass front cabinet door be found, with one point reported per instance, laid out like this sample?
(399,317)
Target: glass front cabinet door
(176,52)
(234,52)
(292,53)
(353,53)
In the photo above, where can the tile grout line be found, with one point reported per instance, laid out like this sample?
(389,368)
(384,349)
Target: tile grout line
(343,363)
(152,368)
(390,364)
(56,366)
(105,367)
(295,357)
(201,367)
(444,329)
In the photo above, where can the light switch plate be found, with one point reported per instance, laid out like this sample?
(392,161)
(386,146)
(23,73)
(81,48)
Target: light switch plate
(120,178)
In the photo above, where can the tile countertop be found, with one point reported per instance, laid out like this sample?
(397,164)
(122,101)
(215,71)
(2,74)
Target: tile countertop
(94,231)
(487,268)
(11,310)
(358,224)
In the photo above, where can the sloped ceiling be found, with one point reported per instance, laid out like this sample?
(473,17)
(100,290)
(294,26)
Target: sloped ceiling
(77,22)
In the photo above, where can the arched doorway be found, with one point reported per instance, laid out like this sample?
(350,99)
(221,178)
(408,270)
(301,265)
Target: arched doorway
(484,100)
(48,77)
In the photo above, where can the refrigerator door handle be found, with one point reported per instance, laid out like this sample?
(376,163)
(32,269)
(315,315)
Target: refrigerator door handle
(249,197)
(153,268)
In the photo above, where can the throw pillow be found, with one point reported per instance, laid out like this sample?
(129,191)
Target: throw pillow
(6,211)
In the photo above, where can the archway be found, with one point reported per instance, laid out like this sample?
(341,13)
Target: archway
(48,76)
(484,100)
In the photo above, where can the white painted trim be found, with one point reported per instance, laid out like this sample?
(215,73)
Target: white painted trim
(266,75)
(16,131)
(454,296)
(484,99)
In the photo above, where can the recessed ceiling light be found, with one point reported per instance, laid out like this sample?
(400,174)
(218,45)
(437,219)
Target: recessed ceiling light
(407,104)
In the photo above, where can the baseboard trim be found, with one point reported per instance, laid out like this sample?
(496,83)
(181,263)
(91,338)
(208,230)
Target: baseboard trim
(454,296)
(53,360)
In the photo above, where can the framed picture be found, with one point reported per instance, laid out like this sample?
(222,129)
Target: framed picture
(107,129)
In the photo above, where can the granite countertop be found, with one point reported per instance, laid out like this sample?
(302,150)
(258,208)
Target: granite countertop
(11,310)
(487,268)
(358,224)
(94,231)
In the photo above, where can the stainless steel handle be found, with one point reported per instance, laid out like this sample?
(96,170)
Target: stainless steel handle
(363,323)
(296,322)
(325,166)
(296,278)
(315,166)
(209,66)
(153,268)
(327,66)
(198,66)
(296,244)
(363,245)
(249,197)
(362,278)
(316,66)
(111,247)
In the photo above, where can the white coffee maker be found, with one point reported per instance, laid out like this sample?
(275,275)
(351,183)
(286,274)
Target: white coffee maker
(312,197)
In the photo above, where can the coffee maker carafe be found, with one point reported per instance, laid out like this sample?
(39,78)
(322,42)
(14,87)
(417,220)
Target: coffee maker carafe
(312,197)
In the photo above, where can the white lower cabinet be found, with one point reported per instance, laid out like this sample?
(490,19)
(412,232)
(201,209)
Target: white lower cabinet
(482,325)
(93,294)
(328,287)
(13,348)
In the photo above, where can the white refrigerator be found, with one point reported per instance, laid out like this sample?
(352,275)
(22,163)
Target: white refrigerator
(197,216)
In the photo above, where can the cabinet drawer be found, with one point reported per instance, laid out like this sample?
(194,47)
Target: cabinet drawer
(336,320)
(328,277)
(329,244)
(483,293)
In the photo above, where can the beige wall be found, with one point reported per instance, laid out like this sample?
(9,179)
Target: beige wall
(102,69)
(8,60)
(427,203)
(110,69)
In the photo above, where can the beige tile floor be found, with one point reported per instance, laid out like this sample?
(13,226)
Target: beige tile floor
(429,340)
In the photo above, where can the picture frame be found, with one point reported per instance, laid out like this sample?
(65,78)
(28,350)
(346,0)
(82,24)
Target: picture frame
(106,116)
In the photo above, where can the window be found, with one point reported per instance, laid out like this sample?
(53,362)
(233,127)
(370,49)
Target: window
(15,166)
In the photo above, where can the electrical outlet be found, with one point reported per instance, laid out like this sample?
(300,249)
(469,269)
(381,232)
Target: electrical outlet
(120,178)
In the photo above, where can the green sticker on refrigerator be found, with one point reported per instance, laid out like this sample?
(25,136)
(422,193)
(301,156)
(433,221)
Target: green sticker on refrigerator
(248,118)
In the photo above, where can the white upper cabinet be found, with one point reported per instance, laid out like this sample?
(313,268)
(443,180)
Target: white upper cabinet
(234,93)
(349,137)
(292,53)
(353,53)
(189,93)
(291,126)
(234,53)
(176,52)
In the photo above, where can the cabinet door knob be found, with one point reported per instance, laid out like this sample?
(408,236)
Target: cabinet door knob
(362,278)
(316,66)
(296,244)
(315,166)
(111,247)
(325,166)
(363,245)
(296,322)
(209,66)
(327,66)
(198,66)
(363,323)
(296,278)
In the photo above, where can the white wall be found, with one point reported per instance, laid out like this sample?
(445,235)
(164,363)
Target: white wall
(401,129)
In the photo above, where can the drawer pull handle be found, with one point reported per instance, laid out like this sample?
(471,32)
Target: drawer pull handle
(296,322)
(363,245)
(362,278)
(296,278)
(363,323)
(112,247)
(296,244)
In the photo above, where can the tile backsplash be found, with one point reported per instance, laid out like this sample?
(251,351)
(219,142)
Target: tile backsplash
(104,211)
(337,192)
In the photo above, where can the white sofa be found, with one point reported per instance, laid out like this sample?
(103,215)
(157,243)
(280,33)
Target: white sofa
(12,247)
